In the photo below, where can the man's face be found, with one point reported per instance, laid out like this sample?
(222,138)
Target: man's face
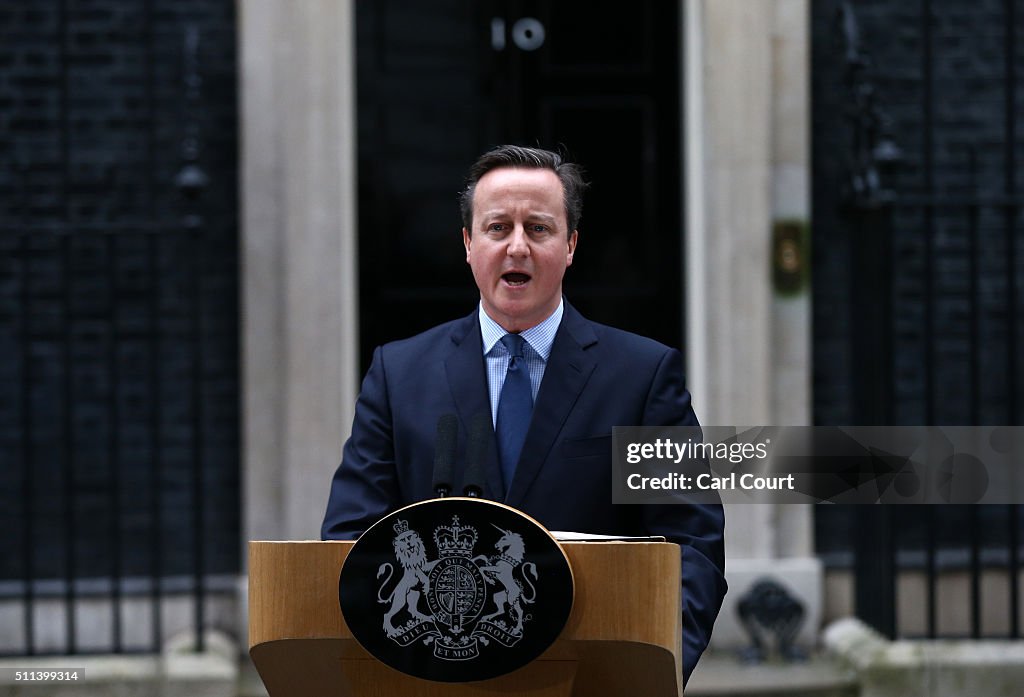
(520,246)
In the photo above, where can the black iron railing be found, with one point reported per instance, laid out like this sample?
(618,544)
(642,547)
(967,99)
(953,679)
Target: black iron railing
(896,293)
(118,326)
(109,484)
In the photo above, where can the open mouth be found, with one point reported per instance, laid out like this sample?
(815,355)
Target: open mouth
(515,278)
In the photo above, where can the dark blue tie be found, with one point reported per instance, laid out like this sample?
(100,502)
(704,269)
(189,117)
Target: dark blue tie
(514,407)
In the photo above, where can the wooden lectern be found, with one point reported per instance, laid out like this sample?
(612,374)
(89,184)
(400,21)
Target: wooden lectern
(623,637)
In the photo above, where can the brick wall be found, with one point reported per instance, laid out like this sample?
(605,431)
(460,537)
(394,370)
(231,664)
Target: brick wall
(968,123)
(968,348)
(118,303)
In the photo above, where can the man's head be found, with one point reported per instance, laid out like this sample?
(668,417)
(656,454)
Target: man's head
(569,174)
(520,210)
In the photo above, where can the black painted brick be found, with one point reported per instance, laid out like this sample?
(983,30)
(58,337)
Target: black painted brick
(969,97)
(92,116)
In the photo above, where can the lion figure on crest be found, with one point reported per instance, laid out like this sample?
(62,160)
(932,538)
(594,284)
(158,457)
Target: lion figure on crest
(414,583)
(501,568)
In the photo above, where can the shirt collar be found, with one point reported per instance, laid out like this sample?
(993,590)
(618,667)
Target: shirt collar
(539,337)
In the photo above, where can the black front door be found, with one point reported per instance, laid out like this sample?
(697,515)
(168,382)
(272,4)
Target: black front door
(439,83)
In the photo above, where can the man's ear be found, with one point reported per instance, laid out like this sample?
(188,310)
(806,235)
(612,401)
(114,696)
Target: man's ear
(572,247)
(466,239)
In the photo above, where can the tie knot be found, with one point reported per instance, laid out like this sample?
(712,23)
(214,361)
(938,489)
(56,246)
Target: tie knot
(515,344)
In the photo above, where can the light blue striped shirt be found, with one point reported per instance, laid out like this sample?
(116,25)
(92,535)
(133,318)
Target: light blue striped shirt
(536,351)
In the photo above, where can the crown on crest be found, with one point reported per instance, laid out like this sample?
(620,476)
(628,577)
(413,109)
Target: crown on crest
(509,559)
(455,539)
(400,526)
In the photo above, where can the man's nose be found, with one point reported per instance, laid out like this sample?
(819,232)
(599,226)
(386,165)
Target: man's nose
(519,243)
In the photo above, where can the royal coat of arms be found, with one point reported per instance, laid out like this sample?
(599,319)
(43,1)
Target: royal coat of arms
(458,601)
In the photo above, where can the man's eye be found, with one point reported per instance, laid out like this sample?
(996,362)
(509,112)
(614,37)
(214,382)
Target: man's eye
(539,228)
(496,227)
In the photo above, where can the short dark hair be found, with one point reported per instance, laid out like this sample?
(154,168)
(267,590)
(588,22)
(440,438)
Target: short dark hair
(569,173)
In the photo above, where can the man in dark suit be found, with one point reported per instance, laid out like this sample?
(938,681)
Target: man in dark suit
(552,383)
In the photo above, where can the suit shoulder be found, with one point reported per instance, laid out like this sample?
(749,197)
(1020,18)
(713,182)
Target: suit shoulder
(622,340)
(436,338)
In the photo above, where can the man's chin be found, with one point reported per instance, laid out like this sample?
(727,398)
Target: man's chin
(518,316)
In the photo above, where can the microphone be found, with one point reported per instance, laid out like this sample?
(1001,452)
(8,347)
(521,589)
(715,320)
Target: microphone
(444,453)
(476,453)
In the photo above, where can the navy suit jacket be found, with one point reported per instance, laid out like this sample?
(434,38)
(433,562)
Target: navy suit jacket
(596,377)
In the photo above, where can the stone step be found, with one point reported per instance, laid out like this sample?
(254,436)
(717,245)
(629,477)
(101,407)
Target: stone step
(718,675)
(723,675)
(249,683)
(177,672)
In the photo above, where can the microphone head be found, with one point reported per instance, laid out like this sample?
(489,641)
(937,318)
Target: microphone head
(476,454)
(444,453)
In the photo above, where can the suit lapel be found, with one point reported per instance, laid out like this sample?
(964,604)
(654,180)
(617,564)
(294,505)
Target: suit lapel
(467,379)
(568,369)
